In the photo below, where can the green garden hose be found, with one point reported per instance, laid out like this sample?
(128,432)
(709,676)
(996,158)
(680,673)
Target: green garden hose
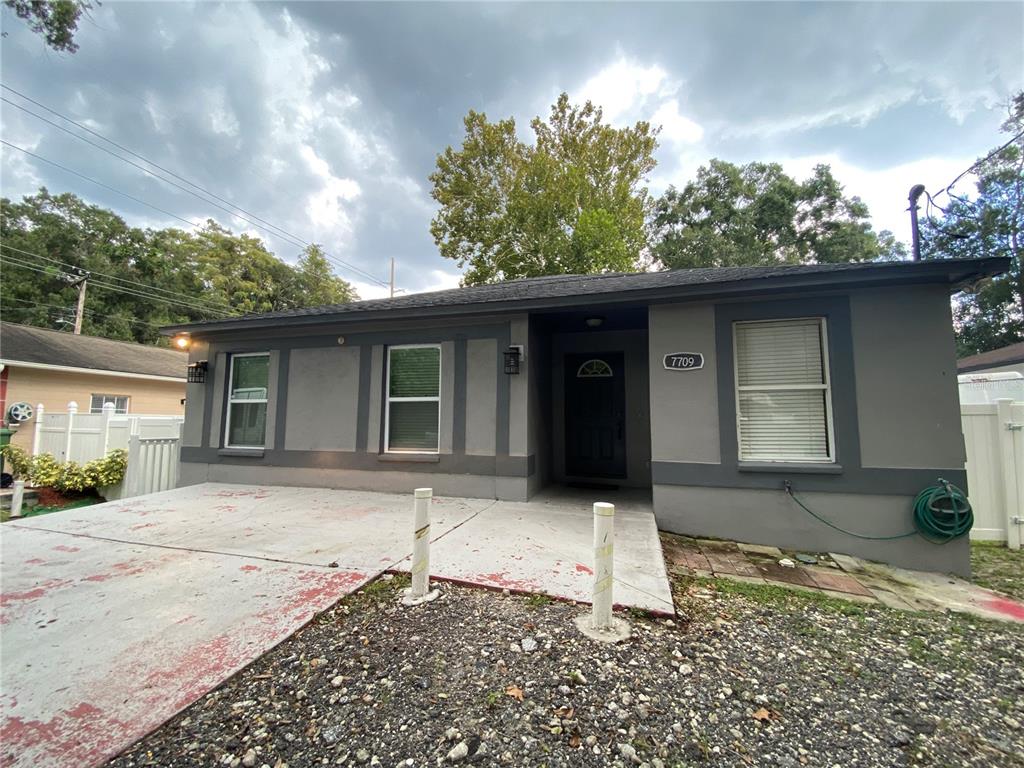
(941,514)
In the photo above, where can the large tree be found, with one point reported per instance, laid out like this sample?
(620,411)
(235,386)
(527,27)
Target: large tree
(55,20)
(572,201)
(989,315)
(142,279)
(756,214)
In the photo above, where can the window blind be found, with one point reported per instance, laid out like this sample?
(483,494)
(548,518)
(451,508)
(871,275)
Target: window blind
(783,407)
(414,388)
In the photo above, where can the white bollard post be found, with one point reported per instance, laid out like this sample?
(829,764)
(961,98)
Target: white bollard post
(604,563)
(17,497)
(420,591)
(601,624)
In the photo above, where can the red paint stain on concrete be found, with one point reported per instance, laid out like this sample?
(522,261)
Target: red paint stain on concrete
(84,710)
(503,580)
(32,594)
(35,561)
(82,735)
(99,577)
(581,568)
(249,568)
(1006,606)
(66,548)
(140,526)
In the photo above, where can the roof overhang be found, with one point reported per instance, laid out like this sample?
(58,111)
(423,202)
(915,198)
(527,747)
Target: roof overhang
(92,371)
(956,274)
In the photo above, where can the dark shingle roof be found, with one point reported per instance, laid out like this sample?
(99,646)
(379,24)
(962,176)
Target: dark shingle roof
(558,290)
(27,344)
(1014,353)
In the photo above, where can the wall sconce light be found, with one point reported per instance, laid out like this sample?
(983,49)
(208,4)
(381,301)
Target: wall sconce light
(513,356)
(594,322)
(182,341)
(197,372)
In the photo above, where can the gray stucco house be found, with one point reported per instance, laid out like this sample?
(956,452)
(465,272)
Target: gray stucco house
(711,387)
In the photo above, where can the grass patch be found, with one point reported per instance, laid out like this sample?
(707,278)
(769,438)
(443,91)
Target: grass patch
(783,596)
(536,601)
(997,567)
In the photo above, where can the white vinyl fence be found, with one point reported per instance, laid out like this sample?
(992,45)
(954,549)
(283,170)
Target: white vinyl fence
(153,444)
(994,439)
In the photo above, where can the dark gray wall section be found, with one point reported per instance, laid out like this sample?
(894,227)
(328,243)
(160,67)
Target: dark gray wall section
(481,384)
(195,400)
(766,517)
(322,399)
(907,397)
(217,379)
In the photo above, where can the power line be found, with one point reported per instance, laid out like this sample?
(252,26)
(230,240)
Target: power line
(211,304)
(264,224)
(99,183)
(982,161)
(92,312)
(118,289)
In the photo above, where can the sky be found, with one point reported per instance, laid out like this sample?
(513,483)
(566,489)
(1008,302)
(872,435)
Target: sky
(325,119)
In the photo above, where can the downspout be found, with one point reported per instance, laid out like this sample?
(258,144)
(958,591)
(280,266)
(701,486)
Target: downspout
(915,193)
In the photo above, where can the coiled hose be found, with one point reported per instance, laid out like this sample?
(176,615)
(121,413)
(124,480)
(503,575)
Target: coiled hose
(941,514)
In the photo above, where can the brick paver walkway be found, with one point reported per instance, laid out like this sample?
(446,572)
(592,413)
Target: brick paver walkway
(729,559)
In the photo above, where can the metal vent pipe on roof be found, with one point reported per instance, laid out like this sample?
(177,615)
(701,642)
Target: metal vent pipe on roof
(915,193)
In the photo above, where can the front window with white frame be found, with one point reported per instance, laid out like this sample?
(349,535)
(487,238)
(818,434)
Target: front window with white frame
(783,394)
(413,411)
(120,403)
(248,385)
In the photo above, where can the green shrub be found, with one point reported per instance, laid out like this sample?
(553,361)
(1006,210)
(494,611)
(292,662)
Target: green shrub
(44,471)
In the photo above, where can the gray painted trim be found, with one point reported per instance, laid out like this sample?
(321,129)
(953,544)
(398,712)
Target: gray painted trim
(501,433)
(375,395)
(216,405)
(866,480)
(283,361)
(507,466)
(459,415)
(946,271)
(363,404)
(836,311)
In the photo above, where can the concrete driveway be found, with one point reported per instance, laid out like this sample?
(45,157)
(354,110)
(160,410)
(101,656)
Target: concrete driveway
(115,617)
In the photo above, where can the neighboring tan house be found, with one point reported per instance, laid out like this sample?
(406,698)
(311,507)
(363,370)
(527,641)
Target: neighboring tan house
(712,388)
(57,367)
(1002,360)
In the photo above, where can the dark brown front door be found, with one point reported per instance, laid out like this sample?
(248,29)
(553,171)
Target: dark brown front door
(595,415)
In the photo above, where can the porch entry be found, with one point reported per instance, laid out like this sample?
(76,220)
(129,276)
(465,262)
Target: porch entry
(595,415)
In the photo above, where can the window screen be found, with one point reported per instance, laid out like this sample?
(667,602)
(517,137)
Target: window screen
(97,402)
(782,391)
(247,400)
(413,407)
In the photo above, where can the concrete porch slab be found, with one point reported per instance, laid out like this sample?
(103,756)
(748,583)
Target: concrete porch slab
(546,546)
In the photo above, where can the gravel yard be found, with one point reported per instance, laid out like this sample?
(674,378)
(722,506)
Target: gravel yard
(754,676)
(996,567)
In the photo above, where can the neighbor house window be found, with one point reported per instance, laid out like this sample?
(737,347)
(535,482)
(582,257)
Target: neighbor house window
(247,400)
(412,417)
(120,403)
(783,402)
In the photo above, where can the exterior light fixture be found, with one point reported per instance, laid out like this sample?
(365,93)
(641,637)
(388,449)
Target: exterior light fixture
(182,341)
(594,322)
(513,356)
(197,372)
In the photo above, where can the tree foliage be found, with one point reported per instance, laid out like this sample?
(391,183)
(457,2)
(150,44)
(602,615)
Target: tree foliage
(143,279)
(991,224)
(573,201)
(55,20)
(756,214)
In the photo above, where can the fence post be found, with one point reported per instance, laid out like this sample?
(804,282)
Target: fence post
(420,591)
(17,497)
(72,410)
(37,436)
(108,412)
(1008,464)
(133,471)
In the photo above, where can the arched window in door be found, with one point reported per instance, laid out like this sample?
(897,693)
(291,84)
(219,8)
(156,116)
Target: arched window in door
(594,369)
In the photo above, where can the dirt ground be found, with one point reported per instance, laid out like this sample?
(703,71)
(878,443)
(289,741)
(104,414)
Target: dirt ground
(996,567)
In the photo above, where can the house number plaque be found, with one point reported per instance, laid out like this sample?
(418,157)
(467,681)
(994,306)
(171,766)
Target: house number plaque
(684,361)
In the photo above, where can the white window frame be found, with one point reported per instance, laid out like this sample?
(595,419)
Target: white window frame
(227,414)
(826,387)
(388,399)
(104,397)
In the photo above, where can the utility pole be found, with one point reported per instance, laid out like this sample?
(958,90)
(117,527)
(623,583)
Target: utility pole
(392,277)
(915,192)
(81,281)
